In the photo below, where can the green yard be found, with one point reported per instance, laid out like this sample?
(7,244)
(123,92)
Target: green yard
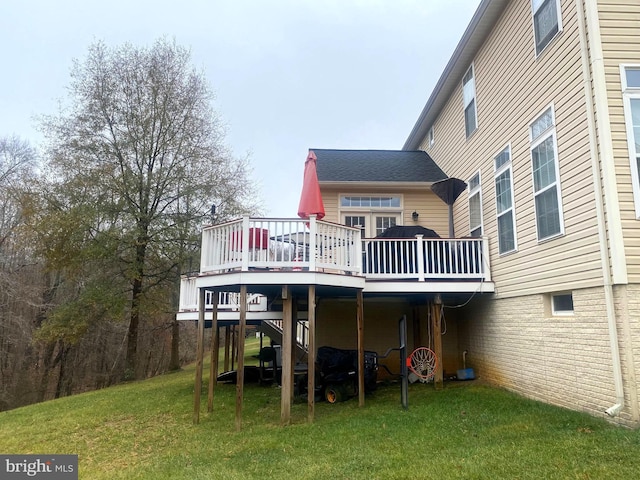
(466,431)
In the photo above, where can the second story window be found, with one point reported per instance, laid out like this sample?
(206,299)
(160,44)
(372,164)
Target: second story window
(630,75)
(475,206)
(469,97)
(546,22)
(546,184)
(504,202)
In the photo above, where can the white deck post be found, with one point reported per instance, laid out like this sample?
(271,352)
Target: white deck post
(245,244)
(420,256)
(313,231)
(486,267)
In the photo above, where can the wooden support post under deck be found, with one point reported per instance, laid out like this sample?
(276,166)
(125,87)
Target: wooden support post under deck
(240,347)
(294,342)
(227,345)
(287,367)
(234,346)
(199,356)
(215,347)
(311,356)
(438,380)
(360,323)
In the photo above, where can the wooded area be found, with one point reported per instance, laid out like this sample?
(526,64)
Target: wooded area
(98,224)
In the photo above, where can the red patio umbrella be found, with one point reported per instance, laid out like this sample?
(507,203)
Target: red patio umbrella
(310,198)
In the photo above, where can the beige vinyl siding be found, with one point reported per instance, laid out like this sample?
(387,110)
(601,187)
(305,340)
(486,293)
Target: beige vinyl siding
(432,211)
(513,88)
(331,201)
(620,36)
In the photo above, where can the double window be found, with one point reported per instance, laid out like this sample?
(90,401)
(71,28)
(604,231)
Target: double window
(469,98)
(546,22)
(504,201)
(631,96)
(546,184)
(475,206)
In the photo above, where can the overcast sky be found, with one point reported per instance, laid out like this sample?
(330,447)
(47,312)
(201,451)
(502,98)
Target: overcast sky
(288,75)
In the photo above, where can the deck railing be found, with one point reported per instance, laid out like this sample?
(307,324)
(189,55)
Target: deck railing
(273,243)
(227,301)
(314,245)
(426,258)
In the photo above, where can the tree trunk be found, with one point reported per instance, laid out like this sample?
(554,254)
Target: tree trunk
(131,363)
(132,335)
(48,363)
(174,362)
(63,386)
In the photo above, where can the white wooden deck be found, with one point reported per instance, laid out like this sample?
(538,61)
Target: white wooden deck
(279,251)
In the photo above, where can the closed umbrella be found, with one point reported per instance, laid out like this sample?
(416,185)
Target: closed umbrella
(310,197)
(449,190)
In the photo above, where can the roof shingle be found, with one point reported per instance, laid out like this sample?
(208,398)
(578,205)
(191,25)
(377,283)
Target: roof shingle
(376,166)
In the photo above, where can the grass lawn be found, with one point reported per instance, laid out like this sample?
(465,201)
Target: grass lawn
(467,431)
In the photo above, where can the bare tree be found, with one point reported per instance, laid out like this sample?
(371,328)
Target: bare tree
(18,284)
(137,159)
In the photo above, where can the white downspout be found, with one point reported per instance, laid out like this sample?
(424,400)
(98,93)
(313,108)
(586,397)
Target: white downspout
(591,14)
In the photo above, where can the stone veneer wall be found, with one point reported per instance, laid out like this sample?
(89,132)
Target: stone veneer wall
(564,360)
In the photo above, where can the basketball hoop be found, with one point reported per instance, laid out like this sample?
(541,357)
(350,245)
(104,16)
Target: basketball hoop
(422,362)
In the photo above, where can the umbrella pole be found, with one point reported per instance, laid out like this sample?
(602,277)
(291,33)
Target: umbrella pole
(451,232)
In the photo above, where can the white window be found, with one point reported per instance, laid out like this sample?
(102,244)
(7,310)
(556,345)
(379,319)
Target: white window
(547,22)
(370,201)
(372,213)
(504,201)
(546,184)
(475,206)
(631,97)
(383,222)
(469,98)
(431,137)
(358,221)
(562,304)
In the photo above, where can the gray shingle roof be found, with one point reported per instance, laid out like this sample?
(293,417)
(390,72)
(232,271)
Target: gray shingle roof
(376,166)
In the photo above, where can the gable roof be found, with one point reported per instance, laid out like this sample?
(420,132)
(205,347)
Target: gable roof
(376,166)
(483,21)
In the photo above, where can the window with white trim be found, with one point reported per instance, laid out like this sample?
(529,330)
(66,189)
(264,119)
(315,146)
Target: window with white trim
(358,221)
(630,76)
(547,22)
(383,222)
(562,304)
(469,98)
(370,201)
(505,210)
(475,206)
(546,184)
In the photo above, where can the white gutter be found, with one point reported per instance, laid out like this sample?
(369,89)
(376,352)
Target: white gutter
(596,64)
(607,162)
